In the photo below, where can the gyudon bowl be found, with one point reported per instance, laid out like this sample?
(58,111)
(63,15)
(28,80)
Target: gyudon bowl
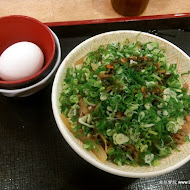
(114,150)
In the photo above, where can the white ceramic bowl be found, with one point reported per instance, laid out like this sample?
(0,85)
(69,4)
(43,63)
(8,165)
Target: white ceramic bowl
(27,91)
(175,55)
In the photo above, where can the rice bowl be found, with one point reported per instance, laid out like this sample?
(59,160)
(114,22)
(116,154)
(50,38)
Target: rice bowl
(174,54)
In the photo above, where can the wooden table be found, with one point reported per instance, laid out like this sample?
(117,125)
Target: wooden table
(75,10)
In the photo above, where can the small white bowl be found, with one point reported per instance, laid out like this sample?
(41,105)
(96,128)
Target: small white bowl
(175,55)
(27,91)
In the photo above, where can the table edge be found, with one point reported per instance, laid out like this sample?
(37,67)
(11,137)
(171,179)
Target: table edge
(121,19)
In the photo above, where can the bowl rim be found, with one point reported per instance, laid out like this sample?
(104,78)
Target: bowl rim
(57,62)
(67,134)
(46,65)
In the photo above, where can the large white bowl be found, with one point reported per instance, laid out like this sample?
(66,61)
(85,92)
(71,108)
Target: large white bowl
(27,91)
(175,55)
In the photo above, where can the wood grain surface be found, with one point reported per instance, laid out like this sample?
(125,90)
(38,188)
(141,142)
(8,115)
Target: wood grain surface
(74,10)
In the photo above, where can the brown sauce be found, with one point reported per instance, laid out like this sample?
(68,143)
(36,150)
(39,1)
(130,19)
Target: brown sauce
(129,7)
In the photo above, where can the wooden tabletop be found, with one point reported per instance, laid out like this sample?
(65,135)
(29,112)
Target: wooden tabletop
(75,10)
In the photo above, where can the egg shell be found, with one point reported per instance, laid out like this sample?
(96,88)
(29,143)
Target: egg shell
(20,60)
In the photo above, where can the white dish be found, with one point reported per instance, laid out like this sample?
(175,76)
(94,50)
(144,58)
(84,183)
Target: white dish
(27,91)
(175,55)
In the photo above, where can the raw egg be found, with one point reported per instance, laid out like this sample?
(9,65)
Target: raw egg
(20,60)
